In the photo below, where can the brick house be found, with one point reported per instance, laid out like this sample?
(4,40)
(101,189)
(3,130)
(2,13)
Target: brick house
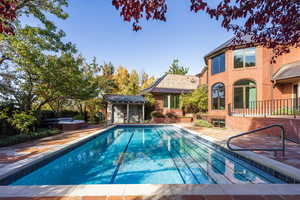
(167,89)
(244,87)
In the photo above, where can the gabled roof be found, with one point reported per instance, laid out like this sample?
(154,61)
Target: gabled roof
(116,98)
(173,83)
(229,43)
(291,70)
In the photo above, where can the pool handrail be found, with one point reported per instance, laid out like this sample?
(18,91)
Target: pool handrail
(282,135)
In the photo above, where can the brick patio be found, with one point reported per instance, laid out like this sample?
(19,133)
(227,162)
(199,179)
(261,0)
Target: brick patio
(25,150)
(255,140)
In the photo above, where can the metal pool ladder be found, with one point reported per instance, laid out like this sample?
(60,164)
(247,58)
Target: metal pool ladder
(282,133)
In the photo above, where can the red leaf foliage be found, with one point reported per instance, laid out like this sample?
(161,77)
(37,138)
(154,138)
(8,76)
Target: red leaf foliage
(7,16)
(271,23)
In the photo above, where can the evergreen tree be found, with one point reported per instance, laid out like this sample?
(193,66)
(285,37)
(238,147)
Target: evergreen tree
(174,68)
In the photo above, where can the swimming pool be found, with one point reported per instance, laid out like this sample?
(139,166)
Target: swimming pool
(146,155)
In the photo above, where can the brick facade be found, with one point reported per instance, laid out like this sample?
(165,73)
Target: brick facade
(159,105)
(261,73)
(292,126)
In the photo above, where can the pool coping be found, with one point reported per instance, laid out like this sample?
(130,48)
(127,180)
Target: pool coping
(262,160)
(144,189)
(13,168)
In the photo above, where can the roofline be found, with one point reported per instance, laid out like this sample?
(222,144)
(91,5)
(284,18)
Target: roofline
(153,85)
(225,48)
(281,68)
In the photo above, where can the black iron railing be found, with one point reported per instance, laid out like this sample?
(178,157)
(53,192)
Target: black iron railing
(266,108)
(282,136)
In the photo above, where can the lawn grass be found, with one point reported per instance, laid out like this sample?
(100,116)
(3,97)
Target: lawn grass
(16,139)
(203,123)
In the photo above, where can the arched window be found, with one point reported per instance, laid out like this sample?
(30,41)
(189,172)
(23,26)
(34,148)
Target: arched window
(244,94)
(218,96)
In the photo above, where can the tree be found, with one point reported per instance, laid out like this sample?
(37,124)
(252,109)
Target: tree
(174,68)
(7,16)
(134,85)
(195,102)
(146,81)
(272,24)
(106,80)
(47,35)
(121,78)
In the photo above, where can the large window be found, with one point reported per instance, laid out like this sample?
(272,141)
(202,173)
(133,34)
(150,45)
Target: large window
(218,64)
(173,103)
(166,101)
(244,58)
(244,94)
(218,96)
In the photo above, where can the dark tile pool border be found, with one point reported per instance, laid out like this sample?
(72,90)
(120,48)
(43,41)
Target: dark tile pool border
(30,167)
(270,171)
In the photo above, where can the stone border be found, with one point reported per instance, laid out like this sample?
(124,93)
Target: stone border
(148,190)
(280,167)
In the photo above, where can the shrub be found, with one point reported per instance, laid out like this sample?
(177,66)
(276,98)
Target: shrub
(286,111)
(16,139)
(203,123)
(157,114)
(67,113)
(78,117)
(45,114)
(21,121)
(171,115)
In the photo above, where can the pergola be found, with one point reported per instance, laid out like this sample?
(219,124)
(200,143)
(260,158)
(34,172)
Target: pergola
(125,108)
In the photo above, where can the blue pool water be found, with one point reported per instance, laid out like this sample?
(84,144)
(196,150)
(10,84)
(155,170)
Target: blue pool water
(145,155)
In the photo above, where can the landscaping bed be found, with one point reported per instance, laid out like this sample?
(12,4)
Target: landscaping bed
(20,138)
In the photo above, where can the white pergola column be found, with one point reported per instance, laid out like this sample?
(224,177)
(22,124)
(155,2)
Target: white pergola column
(143,115)
(128,113)
(169,101)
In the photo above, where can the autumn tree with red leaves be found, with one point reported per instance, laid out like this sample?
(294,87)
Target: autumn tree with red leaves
(7,15)
(271,23)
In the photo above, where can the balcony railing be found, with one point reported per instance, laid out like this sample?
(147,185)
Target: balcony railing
(275,107)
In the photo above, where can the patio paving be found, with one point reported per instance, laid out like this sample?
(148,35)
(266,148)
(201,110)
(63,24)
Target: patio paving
(30,149)
(256,140)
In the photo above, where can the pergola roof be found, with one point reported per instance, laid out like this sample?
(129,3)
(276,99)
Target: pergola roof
(287,71)
(115,98)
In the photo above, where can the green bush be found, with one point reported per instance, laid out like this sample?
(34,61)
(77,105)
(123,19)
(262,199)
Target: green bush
(45,114)
(203,123)
(21,121)
(286,111)
(16,139)
(171,115)
(67,113)
(157,114)
(78,117)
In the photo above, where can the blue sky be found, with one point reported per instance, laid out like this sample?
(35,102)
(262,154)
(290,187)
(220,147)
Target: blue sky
(97,29)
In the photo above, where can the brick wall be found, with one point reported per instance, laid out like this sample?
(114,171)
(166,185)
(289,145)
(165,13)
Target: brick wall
(292,126)
(159,106)
(262,74)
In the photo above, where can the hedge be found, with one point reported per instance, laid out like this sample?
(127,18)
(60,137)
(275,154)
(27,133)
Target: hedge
(19,138)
